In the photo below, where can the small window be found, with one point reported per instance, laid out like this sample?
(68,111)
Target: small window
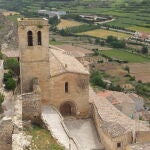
(118,145)
(66,87)
(39,38)
(30,38)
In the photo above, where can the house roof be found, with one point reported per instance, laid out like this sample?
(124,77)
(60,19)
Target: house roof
(109,113)
(75,51)
(60,62)
(116,97)
(113,129)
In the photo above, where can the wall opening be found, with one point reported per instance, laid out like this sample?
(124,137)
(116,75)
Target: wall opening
(66,87)
(119,145)
(68,109)
(30,38)
(39,35)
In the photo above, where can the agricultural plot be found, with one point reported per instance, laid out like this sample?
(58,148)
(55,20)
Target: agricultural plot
(126,56)
(140,29)
(141,71)
(101,33)
(68,23)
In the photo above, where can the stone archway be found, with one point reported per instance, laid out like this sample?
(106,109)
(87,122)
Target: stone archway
(68,109)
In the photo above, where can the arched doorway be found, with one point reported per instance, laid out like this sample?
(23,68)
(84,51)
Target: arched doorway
(68,109)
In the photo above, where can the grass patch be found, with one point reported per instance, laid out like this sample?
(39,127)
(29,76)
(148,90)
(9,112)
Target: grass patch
(42,139)
(14,17)
(101,33)
(140,29)
(126,56)
(68,23)
(56,43)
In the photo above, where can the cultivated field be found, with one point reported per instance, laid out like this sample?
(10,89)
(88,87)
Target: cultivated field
(139,29)
(101,33)
(68,23)
(123,55)
(141,71)
(10,13)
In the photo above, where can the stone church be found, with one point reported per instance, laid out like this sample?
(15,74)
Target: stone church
(62,79)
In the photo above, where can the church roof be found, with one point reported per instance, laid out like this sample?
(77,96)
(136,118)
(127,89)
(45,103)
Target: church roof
(60,63)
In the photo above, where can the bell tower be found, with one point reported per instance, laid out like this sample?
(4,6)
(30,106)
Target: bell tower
(34,52)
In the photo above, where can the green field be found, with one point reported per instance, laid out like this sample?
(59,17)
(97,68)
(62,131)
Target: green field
(140,29)
(101,33)
(128,13)
(123,55)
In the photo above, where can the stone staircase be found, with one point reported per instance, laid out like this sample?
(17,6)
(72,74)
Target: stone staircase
(54,122)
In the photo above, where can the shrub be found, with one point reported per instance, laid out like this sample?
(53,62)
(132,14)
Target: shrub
(1,55)
(145,50)
(132,78)
(8,75)
(127,69)
(12,64)
(1,98)
(10,84)
(115,87)
(96,79)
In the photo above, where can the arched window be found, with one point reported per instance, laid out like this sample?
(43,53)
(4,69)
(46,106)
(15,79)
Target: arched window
(39,38)
(66,87)
(30,38)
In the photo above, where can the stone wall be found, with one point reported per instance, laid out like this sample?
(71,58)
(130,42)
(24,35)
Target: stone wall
(1,73)
(31,103)
(142,136)
(31,107)
(6,130)
(78,92)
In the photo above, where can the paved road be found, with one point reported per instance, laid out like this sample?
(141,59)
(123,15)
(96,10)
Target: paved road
(85,133)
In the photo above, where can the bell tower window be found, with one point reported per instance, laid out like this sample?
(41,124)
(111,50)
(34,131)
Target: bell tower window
(30,38)
(66,87)
(39,38)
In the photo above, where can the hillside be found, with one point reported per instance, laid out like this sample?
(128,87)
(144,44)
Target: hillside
(135,13)
(8,33)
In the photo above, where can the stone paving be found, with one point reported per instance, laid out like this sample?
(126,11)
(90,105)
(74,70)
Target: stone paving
(85,133)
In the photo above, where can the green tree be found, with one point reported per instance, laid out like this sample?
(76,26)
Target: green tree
(145,50)
(96,79)
(10,84)
(12,64)
(97,41)
(111,39)
(54,21)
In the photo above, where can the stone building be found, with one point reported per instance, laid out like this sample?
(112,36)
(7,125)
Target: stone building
(1,72)
(62,79)
(116,130)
